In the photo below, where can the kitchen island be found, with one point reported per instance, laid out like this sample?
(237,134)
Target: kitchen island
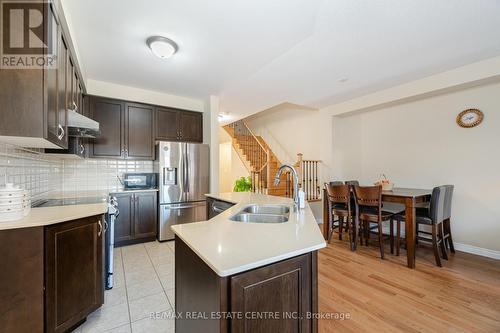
(247,277)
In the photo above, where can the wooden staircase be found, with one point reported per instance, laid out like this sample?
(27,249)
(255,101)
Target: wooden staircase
(259,159)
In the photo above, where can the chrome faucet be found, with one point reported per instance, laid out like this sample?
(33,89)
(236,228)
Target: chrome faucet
(295,182)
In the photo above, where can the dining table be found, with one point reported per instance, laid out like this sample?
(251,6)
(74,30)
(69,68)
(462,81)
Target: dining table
(410,198)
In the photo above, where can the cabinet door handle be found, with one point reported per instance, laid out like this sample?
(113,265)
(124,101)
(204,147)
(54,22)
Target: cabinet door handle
(105,226)
(82,149)
(99,232)
(60,132)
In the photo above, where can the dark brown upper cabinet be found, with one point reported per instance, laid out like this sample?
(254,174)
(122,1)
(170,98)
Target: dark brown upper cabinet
(178,125)
(109,113)
(34,102)
(126,129)
(191,126)
(139,131)
(167,124)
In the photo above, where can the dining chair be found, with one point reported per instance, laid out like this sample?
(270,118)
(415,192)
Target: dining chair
(447,217)
(434,217)
(352,182)
(448,198)
(369,210)
(339,204)
(335,223)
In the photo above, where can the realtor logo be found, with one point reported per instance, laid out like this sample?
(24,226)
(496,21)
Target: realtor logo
(28,35)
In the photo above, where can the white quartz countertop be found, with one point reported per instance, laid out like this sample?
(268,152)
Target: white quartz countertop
(229,247)
(42,216)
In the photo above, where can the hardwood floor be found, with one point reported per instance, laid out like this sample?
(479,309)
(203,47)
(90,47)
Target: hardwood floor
(386,296)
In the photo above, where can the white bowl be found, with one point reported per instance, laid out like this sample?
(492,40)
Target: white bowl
(12,201)
(11,207)
(5,195)
(11,216)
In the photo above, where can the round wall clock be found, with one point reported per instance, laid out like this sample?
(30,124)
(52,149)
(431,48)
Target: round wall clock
(470,118)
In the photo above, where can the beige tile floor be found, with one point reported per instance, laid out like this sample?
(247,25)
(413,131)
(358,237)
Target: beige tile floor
(144,285)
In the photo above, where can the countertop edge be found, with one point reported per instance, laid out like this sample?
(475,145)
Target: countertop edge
(83,211)
(257,264)
(248,266)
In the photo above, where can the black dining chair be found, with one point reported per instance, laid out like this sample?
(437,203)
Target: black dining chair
(352,182)
(434,218)
(447,217)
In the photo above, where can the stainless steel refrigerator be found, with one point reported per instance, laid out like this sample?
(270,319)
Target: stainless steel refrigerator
(183,182)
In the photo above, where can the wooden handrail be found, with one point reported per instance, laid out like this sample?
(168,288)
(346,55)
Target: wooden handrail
(253,135)
(258,160)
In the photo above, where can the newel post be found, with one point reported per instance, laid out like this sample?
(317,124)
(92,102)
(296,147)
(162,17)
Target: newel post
(298,167)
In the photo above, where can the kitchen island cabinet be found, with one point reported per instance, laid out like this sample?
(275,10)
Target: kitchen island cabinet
(247,277)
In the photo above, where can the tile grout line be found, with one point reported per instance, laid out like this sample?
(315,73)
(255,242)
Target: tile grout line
(158,276)
(126,291)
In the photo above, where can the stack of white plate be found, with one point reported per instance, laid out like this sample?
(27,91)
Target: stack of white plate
(15,203)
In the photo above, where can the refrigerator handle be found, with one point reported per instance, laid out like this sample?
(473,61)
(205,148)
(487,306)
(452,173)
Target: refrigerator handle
(187,170)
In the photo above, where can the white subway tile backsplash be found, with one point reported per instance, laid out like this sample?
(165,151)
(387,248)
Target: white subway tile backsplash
(43,174)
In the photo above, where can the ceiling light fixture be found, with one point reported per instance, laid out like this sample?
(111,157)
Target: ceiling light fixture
(162,47)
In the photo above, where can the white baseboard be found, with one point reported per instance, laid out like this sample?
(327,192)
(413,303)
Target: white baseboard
(477,250)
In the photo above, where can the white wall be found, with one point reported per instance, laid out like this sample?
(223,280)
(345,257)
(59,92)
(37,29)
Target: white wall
(113,90)
(212,124)
(230,165)
(289,130)
(418,144)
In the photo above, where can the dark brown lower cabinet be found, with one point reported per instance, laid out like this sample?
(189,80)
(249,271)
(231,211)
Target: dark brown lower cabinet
(52,277)
(280,297)
(21,280)
(123,222)
(74,269)
(145,215)
(138,217)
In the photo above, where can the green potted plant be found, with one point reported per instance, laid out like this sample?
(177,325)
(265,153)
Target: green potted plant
(243,185)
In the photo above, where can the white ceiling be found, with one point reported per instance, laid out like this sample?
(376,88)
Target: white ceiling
(260,53)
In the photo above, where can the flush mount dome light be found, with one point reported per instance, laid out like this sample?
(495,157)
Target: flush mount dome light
(162,47)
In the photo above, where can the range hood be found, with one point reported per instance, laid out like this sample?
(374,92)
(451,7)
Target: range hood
(81,126)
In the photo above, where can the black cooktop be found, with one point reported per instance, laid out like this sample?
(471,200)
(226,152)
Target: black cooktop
(68,201)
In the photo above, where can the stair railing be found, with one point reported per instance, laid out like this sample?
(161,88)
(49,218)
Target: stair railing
(309,178)
(255,152)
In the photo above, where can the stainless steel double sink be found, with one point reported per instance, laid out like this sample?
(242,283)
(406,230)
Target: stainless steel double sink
(262,214)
